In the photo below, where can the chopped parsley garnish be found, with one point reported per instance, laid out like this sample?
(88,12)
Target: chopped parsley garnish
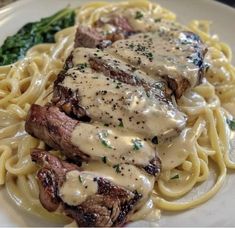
(80,178)
(82,66)
(137,144)
(138,15)
(95,77)
(157,20)
(102,137)
(131,46)
(175,177)
(104,159)
(149,55)
(231,124)
(117,168)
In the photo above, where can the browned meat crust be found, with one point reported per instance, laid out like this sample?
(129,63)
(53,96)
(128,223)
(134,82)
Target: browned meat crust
(110,206)
(55,128)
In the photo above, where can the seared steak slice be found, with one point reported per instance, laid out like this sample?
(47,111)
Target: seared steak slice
(121,29)
(94,37)
(100,87)
(125,73)
(56,130)
(51,176)
(174,55)
(109,206)
(87,37)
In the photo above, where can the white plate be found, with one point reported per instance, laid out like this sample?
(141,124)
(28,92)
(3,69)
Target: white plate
(219,211)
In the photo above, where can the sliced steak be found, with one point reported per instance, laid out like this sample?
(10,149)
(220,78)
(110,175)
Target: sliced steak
(100,87)
(87,37)
(92,37)
(116,27)
(73,138)
(54,128)
(108,206)
(50,176)
(170,53)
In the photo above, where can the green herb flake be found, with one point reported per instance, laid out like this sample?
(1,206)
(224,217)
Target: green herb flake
(231,124)
(82,66)
(157,20)
(102,137)
(80,178)
(43,31)
(138,15)
(117,168)
(137,144)
(175,177)
(104,159)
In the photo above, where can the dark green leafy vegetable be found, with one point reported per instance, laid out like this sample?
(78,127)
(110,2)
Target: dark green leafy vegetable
(231,124)
(16,46)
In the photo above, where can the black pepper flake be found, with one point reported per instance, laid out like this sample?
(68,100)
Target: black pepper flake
(117,168)
(154,140)
(120,122)
(104,159)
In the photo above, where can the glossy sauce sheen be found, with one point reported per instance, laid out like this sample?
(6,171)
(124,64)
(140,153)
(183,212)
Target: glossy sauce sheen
(166,51)
(109,101)
(112,144)
(124,117)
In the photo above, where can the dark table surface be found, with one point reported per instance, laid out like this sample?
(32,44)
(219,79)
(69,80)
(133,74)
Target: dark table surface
(228,2)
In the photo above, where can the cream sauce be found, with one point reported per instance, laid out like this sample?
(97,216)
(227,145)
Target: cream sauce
(167,51)
(112,145)
(148,211)
(230,107)
(174,152)
(77,187)
(80,185)
(131,116)
(112,102)
(128,176)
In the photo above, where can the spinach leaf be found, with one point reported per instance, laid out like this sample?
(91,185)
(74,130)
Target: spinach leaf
(16,46)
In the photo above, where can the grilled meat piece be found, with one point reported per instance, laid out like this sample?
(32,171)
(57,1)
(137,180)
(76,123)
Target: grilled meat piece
(100,87)
(109,206)
(87,37)
(174,55)
(94,37)
(55,128)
